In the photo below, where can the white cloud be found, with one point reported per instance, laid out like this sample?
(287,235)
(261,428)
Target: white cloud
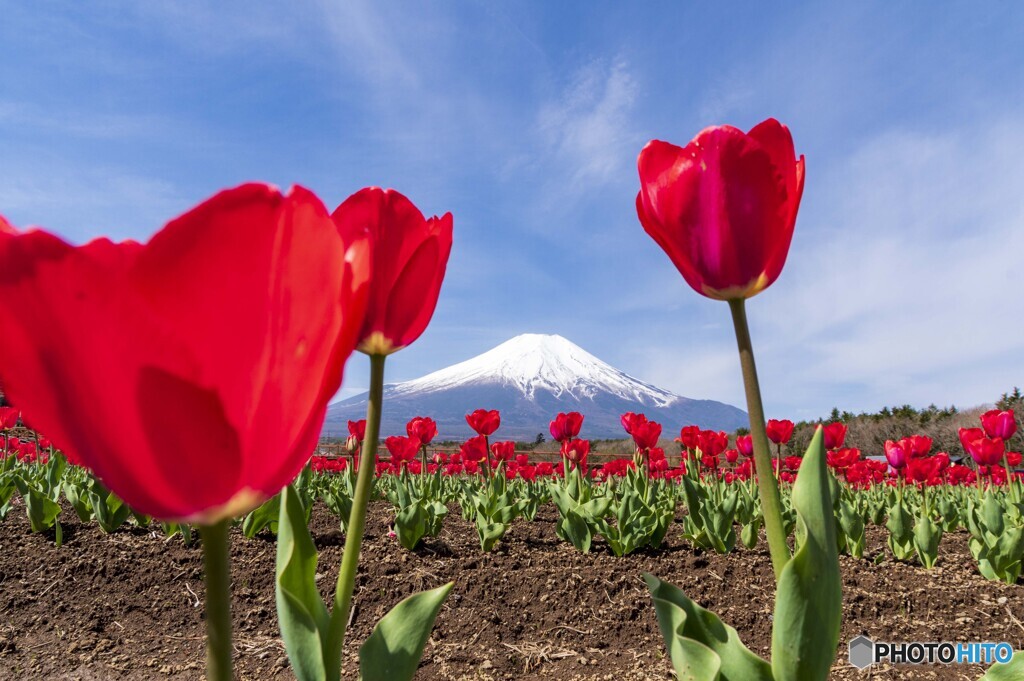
(589,126)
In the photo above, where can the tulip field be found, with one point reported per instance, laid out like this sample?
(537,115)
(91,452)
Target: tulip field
(688,510)
(161,489)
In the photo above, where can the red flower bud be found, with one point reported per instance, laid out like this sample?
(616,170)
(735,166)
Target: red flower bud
(896,454)
(402,449)
(503,451)
(473,450)
(835,435)
(566,426)
(779,431)
(484,422)
(689,436)
(646,433)
(357,429)
(423,429)
(723,208)
(409,254)
(8,415)
(986,451)
(1001,424)
(629,421)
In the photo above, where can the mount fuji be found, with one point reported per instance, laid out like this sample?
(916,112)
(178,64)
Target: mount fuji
(530,378)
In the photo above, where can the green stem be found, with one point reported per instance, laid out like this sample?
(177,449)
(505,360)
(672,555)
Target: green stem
(1010,490)
(217,569)
(357,519)
(771,504)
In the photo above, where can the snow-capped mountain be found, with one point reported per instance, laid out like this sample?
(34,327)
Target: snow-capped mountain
(530,378)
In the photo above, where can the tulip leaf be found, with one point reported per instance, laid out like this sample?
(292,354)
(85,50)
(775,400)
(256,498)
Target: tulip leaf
(808,606)
(700,645)
(1006,671)
(393,650)
(301,612)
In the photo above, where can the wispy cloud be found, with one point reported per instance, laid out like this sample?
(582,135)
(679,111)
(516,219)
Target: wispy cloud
(589,125)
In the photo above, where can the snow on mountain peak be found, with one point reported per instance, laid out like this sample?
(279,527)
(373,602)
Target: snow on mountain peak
(531,362)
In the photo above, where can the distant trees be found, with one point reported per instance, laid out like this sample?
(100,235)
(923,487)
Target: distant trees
(869,431)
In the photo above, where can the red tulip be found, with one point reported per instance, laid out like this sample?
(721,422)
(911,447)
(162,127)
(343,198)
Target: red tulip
(577,451)
(8,415)
(484,422)
(234,321)
(961,475)
(689,436)
(987,451)
(357,429)
(1013,459)
(969,435)
(629,421)
(503,451)
(917,445)
(745,445)
(926,469)
(474,449)
(646,434)
(842,459)
(896,454)
(423,429)
(566,426)
(731,455)
(723,208)
(779,431)
(1001,424)
(409,254)
(402,449)
(835,435)
(713,443)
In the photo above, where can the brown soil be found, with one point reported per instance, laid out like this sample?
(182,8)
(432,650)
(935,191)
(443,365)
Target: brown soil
(129,605)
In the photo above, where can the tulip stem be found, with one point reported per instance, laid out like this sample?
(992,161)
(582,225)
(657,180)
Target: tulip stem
(771,504)
(217,570)
(357,518)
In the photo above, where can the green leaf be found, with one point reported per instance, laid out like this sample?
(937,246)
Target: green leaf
(577,530)
(700,646)
(393,650)
(809,599)
(301,613)
(927,534)
(263,516)
(1009,671)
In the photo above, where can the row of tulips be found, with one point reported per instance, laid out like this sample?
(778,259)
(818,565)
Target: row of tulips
(628,509)
(102,355)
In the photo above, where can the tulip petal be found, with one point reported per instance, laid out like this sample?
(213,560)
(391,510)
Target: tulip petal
(78,363)
(270,326)
(219,326)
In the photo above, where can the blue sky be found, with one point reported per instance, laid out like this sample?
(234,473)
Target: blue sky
(524,119)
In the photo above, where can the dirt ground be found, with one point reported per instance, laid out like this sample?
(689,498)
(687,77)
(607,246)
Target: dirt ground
(129,605)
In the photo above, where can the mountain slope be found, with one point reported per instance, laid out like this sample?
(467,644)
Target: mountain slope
(530,378)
